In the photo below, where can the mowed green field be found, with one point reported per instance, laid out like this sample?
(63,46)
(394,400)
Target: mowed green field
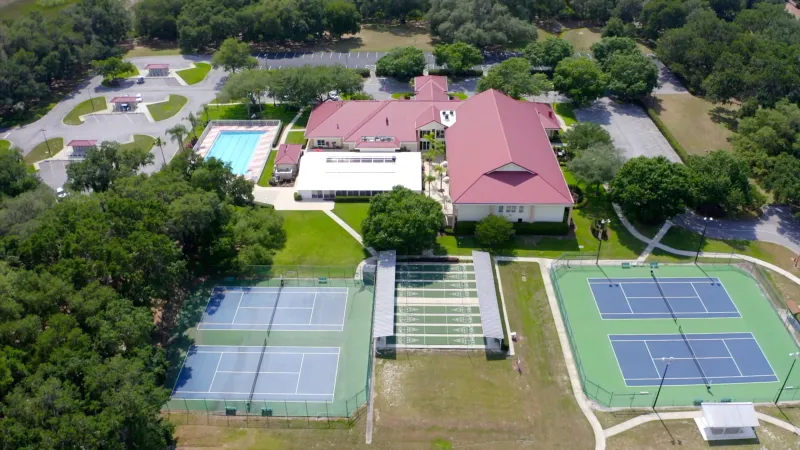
(600,365)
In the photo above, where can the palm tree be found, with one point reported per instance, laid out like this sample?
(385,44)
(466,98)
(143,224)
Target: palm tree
(193,121)
(178,133)
(440,171)
(160,143)
(430,179)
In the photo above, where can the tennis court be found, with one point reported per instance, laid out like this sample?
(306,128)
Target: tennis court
(285,309)
(723,335)
(699,359)
(280,374)
(662,298)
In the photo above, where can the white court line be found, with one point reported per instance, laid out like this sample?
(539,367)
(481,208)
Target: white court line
(304,330)
(765,357)
(275,324)
(335,375)
(261,371)
(215,371)
(711,378)
(698,297)
(626,298)
(279,307)
(286,353)
(255,393)
(730,299)
(302,360)
(238,305)
(311,316)
(731,356)
(681,340)
(669,296)
(653,360)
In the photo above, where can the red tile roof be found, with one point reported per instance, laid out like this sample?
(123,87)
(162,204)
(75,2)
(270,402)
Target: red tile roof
(494,131)
(157,66)
(288,154)
(81,143)
(123,99)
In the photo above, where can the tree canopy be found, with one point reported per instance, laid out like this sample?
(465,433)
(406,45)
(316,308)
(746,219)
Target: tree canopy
(15,177)
(104,165)
(720,184)
(112,68)
(631,75)
(651,190)
(583,135)
(597,164)
(402,62)
(513,78)
(549,52)
(402,220)
(482,23)
(458,57)
(233,55)
(494,231)
(580,79)
(608,46)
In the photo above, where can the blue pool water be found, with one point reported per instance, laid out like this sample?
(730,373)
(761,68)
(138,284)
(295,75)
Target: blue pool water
(235,148)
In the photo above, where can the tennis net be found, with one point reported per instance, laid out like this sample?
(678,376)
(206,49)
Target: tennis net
(664,296)
(255,378)
(694,356)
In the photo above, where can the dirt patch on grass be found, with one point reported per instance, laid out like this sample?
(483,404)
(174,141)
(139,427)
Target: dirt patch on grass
(698,125)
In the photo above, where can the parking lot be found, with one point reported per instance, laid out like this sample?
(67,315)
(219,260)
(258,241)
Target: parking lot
(353,60)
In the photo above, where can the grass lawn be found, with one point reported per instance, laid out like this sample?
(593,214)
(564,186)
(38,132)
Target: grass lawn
(296,137)
(41,151)
(313,238)
(4,144)
(381,38)
(582,38)
(268,168)
(302,121)
(567,112)
(165,110)
(16,9)
(458,95)
(352,213)
(141,141)
(89,106)
(658,435)
(159,49)
(697,124)
(402,95)
(196,74)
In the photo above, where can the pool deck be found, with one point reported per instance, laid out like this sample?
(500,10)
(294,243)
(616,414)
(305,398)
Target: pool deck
(260,155)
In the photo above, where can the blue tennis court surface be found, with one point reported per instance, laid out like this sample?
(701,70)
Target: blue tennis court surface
(287,373)
(295,309)
(236,148)
(644,298)
(707,358)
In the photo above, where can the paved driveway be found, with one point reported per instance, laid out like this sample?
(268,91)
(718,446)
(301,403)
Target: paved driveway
(353,60)
(119,127)
(668,83)
(630,127)
(776,225)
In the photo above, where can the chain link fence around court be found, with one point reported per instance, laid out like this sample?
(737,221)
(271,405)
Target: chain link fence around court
(642,399)
(341,413)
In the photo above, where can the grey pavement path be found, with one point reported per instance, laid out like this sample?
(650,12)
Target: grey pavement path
(656,239)
(630,127)
(776,225)
(120,127)
(350,231)
(668,83)
(572,370)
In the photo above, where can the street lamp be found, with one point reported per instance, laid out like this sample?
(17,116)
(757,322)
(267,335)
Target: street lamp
(666,361)
(794,357)
(602,225)
(46,143)
(706,221)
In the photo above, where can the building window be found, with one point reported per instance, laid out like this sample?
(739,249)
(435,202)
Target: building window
(521,208)
(500,208)
(320,143)
(439,134)
(511,209)
(424,145)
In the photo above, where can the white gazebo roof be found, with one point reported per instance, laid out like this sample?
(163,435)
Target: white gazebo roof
(729,415)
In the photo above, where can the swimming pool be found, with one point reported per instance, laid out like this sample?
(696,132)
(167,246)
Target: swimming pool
(236,148)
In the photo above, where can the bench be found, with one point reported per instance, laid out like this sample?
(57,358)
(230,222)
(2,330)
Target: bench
(323,280)
(654,265)
(793,307)
(626,265)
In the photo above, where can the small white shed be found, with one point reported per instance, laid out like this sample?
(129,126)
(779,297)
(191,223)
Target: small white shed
(725,421)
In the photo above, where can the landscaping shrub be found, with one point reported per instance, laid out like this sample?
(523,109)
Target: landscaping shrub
(467,228)
(578,196)
(297,197)
(363,72)
(494,231)
(352,199)
(682,154)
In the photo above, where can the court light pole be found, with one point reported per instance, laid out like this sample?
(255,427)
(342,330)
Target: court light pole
(602,225)
(706,221)
(667,361)
(50,153)
(794,357)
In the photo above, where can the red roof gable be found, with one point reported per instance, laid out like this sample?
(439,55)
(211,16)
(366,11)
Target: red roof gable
(493,131)
(431,87)
(81,143)
(547,116)
(288,154)
(124,99)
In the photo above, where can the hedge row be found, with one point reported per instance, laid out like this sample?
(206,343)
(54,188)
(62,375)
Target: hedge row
(682,154)
(352,199)
(363,72)
(467,228)
(464,74)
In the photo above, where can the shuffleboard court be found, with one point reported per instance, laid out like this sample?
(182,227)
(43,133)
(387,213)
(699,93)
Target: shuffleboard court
(291,374)
(646,298)
(278,309)
(704,358)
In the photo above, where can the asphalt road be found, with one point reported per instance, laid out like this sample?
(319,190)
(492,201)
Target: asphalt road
(353,60)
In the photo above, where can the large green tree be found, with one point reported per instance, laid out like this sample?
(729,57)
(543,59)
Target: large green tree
(580,79)
(15,177)
(549,52)
(609,46)
(301,86)
(494,231)
(482,23)
(659,16)
(631,75)
(458,57)
(342,17)
(233,55)
(584,135)
(104,165)
(651,190)
(513,78)
(112,68)
(402,220)
(720,184)
(402,62)
(597,164)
